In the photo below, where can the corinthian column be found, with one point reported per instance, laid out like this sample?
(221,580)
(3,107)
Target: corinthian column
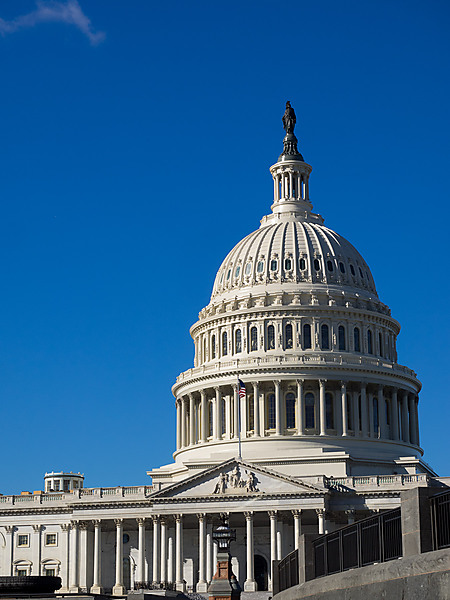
(394,412)
(344,408)
(183,422)
(191,420)
(177,404)
(74,558)
(156,550)
(278,409)
(202,586)
(250,583)
(273,542)
(97,585)
(163,569)
(119,588)
(300,416)
(322,408)
(141,552)
(179,584)
(256,431)
(204,416)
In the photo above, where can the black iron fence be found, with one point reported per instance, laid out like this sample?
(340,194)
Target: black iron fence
(288,571)
(148,585)
(371,540)
(440,520)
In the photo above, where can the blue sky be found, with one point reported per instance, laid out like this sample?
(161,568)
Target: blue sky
(135,145)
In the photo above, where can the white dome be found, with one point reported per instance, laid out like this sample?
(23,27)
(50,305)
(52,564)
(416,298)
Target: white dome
(295,251)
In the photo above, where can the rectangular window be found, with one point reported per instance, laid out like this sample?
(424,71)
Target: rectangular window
(50,572)
(23,540)
(50,539)
(56,486)
(22,573)
(66,484)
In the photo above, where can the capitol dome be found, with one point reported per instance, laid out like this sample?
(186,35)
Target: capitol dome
(295,316)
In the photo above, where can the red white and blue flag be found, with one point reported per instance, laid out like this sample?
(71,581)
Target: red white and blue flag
(241,389)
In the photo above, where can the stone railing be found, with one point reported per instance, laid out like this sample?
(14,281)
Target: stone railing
(83,494)
(377,481)
(312,359)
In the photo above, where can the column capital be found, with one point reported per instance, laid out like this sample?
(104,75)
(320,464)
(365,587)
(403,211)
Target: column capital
(178,518)
(96,522)
(118,522)
(65,526)
(83,525)
(140,521)
(301,381)
(155,519)
(272,514)
(191,396)
(297,513)
(322,382)
(37,528)
(343,385)
(201,516)
(10,528)
(203,394)
(248,515)
(74,524)
(255,384)
(380,387)
(350,512)
(320,512)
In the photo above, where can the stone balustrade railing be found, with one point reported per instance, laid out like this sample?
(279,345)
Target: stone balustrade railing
(240,364)
(89,494)
(378,481)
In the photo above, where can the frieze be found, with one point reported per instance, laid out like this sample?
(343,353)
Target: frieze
(234,480)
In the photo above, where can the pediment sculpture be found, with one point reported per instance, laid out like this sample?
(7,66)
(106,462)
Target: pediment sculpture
(234,480)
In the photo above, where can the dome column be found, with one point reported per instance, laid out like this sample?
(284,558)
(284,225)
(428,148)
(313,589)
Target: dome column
(413,420)
(278,408)
(355,398)
(405,423)
(382,412)
(203,417)
(322,408)
(300,407)
(235,412)
(344,408)
(256,431)
(192,439)
(183,423)
(364,424)
(178,409)
(394,412)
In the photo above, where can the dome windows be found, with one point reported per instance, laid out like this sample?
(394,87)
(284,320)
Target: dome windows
(302,264)
(342,267)
(273,264)
(287,264)
(329,266)
(248,268)
(310,409)
(325,337)
(357,339)
(329,411)
(253,339)
(221,278)
(288,336)
(238,341)
(271,418)
(306,336)
(237,272)
(271,337)
(260,266)
(341,338)
(228,274)
(213,346)
(361,273)
(369,342)
(352,270)
(224,343)
(317,264)
(290,410)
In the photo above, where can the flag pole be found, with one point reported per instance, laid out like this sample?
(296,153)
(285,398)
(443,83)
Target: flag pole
(239,419)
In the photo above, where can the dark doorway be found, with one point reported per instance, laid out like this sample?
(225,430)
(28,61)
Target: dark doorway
(261,572)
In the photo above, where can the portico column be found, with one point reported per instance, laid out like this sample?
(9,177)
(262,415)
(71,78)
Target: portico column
(256,432)
(183,422)
(74,584)
(209,542)
(170,559)
(322,408)
(178,407)
(344,408)
(156,550)
(394,412)
(279,540)
(300,409)
(141,552)
(321,520)
(179,583)
(364,424)
(97,585)
(382,412)
(278,411)
(65,530)
(297,514)
(119,588)
(250,583)
(192,439)
(405,420)
(202,586)
(273,542)
(204,416)
(163,569)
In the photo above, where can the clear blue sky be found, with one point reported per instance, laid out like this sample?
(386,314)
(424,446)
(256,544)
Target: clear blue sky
(135,144)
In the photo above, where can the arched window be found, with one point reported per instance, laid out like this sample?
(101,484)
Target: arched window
(204,349)
(349,412)
(253,339)
(273,264)
(375,415)
(290,410)
(287,264)
(357,339)
(213,346)
(238,341)
(329,265)
(271,411)
(317,264)
(341,338)
(329,412)
(260,266)
(223,413)
(306,336)
(288,336)
(302,264)
(310,410)
(380,340)
(369,342)
(224,343)
(325,337)
(352,270)
(271,337)
(341,267)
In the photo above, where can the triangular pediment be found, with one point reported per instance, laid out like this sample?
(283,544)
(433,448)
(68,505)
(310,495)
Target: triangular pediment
(235,477)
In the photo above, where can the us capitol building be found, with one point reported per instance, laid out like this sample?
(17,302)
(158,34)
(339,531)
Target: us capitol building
(326,433)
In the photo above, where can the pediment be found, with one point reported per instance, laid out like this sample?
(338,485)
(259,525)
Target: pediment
(235,478)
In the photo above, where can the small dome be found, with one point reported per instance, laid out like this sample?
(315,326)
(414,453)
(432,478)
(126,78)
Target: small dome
(297,251)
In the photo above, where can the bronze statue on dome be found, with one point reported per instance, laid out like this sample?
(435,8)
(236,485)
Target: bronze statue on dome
(289,118)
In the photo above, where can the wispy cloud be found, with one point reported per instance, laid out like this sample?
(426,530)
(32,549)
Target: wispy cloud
(52,11)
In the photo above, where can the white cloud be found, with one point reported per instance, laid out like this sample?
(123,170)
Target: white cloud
(52,11)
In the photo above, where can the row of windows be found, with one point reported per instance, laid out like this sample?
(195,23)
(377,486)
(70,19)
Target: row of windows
(324,341)
(23,540)
(288,264)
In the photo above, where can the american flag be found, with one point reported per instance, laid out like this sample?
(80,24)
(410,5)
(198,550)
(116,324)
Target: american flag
(241,389)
